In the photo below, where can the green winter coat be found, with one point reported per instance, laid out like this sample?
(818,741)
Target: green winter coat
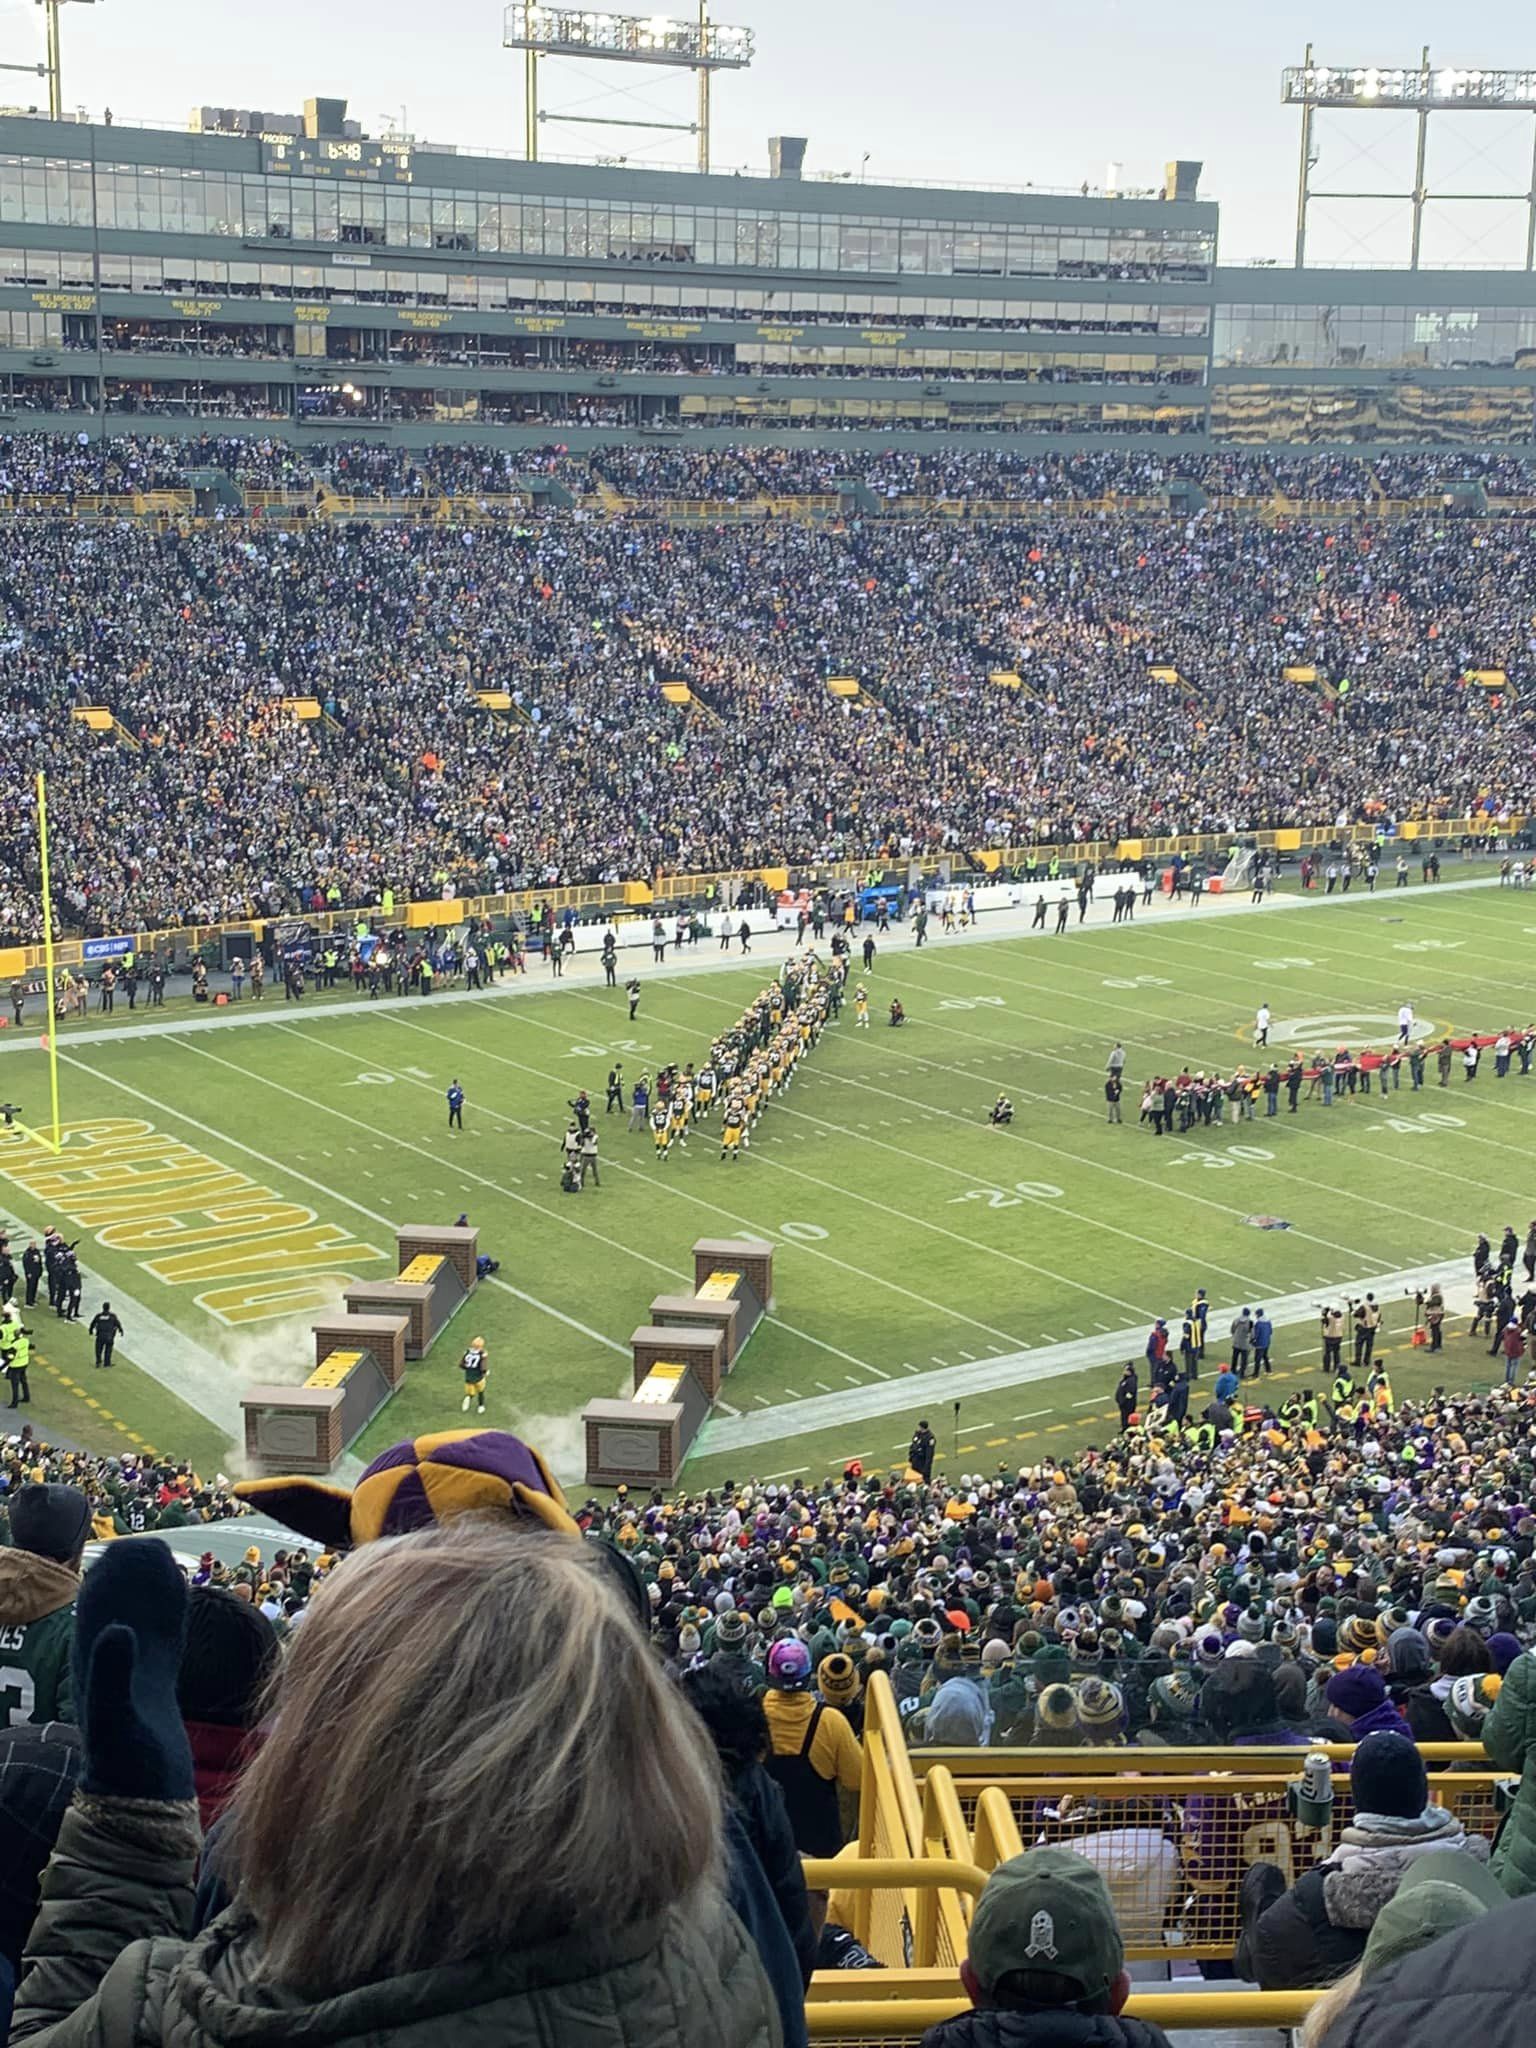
(37,1625)
(1509,1736)
(109,1965)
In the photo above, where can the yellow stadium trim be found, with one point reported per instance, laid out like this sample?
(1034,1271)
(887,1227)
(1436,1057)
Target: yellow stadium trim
(422,1269)
(334,1368)
(659,1385)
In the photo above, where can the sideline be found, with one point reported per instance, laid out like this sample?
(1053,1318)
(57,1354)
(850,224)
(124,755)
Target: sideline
(1024,1368)
(585,969)
(158,1348)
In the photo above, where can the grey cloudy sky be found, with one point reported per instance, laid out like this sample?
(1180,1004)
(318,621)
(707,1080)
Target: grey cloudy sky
(983,90)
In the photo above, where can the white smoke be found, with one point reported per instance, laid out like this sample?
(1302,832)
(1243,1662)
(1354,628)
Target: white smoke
(279,1354)
(560,1439)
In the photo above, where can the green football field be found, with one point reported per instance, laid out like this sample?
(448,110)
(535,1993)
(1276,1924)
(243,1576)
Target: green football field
(924,1258)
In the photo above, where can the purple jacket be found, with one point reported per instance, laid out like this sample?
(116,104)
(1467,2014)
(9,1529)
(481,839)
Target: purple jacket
(1385,1716)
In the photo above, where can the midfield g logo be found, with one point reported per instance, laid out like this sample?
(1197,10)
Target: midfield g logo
(1348,1027)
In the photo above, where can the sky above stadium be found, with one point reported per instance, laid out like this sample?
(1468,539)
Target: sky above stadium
(987,92)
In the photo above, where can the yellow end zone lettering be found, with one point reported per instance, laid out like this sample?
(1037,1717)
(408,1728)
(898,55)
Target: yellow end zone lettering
(266,1301)
(139,1191)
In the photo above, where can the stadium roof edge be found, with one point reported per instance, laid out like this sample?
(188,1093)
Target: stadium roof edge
(123,143)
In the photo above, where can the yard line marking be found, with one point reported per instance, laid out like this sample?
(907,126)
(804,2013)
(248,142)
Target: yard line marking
(969,1357)
(713,1205)
(1223,1033)
(853,1380)
(845,1081)
(875,1369)
(823,1386)
(1033,1415)
(1046,1361)
(617,1166)
(1092,1401)
(331,1194)
(1009,926)
(789,1472)
(762,1400)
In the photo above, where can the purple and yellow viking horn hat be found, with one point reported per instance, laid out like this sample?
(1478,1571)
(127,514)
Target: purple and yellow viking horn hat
(417,1484)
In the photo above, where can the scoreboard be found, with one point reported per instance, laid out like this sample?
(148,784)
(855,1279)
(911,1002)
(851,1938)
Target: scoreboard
(381,163)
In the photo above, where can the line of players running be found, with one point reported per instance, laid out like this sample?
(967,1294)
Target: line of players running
(752,1062)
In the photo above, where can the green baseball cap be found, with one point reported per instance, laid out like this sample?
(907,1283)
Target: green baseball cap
(1438,1894)
(1047,1910)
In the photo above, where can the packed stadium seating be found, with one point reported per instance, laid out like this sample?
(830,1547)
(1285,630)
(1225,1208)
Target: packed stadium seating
(439,672)
(1002,1646)
(1152,647)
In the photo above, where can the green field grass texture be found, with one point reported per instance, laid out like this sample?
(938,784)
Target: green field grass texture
(913,1239)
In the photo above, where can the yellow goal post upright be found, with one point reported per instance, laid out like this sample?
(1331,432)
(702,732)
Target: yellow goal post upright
(52,1138)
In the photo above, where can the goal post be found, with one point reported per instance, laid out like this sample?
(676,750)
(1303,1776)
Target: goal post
(52,1137)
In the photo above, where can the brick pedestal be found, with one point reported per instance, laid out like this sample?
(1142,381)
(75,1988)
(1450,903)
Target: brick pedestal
(702,1351)
(384,1336)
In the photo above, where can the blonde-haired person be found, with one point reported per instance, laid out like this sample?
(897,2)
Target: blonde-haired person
(482,1817)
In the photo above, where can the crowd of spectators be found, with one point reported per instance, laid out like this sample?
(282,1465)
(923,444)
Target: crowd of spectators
(66,466)
(128,1495)
(246,1740)
(227,804)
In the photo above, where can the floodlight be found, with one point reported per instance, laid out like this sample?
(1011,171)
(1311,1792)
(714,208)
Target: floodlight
(655,39)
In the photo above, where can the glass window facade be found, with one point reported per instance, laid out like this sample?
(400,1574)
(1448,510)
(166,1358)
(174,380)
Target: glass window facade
(781,308)
(1405,415)
(1375,337)
(163,201)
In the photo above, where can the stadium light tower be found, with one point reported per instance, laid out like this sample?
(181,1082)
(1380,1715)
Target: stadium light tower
(52,69)
(701,46)
(1423,89)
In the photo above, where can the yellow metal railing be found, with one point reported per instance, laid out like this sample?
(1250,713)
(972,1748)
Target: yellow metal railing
(995,1836)
(901,2018)
(1173,1849)
(1171,1831)
(890,1827)
(945,1834)
(993,1766)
